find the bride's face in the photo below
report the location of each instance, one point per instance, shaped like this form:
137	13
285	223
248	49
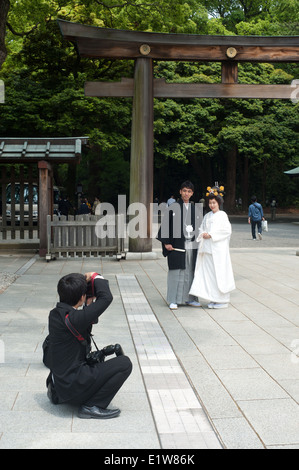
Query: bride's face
213	205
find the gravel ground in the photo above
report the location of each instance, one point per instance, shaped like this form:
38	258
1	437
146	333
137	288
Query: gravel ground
6	279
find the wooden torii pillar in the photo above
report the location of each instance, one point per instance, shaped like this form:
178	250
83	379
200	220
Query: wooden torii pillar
45	204
144	47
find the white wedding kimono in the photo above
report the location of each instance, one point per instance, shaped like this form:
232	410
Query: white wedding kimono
213	278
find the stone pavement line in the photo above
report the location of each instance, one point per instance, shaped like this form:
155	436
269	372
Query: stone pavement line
26	266
180	419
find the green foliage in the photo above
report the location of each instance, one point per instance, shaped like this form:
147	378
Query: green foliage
45	77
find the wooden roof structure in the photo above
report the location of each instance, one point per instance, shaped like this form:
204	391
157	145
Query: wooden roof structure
32	150
93	41
44	152
293	172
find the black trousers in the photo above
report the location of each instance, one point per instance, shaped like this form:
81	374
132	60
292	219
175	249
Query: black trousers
112	374
254	224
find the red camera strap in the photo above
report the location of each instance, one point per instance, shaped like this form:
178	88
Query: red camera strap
74	331
92	282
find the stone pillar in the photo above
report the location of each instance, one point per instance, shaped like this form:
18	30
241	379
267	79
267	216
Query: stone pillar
142	155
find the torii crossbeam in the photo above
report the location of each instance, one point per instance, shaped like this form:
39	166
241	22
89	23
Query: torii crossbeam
144	48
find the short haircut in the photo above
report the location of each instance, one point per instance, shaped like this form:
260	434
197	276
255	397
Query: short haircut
71	287
187	184
253	198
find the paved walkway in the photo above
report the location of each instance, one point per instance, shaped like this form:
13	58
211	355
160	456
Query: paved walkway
201	379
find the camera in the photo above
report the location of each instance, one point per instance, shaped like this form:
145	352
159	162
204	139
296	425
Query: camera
99	356
90	290
90	286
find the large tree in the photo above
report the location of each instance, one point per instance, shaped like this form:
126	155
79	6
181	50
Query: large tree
4	8
234	141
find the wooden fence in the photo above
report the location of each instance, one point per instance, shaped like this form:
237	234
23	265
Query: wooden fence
84	236
18	202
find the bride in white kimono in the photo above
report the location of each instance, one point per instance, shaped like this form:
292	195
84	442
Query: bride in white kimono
213	278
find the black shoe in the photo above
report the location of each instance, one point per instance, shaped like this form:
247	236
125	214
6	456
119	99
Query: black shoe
52	394
87	412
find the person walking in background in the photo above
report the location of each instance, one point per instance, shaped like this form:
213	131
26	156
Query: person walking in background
84	209
255	217
95	205
170	201
64	205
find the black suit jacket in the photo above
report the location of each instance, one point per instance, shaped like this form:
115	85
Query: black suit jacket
73	377
173	231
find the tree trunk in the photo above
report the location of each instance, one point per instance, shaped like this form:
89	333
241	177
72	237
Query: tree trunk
264	182
203	172
245	183
4	8
197	167
230	190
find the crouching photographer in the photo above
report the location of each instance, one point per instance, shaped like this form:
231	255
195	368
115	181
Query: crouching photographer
77	375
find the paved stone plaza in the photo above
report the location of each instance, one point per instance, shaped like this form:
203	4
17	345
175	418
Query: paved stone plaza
202	379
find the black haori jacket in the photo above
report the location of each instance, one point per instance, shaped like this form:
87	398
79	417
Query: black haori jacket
74	379
173	232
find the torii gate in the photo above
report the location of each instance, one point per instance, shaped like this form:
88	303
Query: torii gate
144	48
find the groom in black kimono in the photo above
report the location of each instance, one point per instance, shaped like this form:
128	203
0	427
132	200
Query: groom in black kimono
177	234
72	379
